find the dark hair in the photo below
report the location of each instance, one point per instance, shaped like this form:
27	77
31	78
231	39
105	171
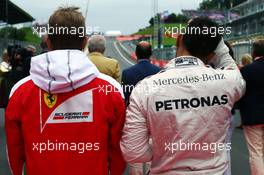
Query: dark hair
66	18
199	42
143	51
258	48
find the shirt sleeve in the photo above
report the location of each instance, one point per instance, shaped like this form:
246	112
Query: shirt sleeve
222	58
135	139
225	62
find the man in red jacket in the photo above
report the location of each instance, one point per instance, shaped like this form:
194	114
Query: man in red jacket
65	118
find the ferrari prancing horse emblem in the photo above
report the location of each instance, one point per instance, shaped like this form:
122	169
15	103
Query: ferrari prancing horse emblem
50	99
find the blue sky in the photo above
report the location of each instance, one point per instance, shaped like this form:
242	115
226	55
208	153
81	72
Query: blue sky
124	15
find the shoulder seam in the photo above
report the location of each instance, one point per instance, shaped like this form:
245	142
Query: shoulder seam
19	84
111	81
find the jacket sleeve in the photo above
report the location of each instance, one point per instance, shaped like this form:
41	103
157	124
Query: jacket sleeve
117	164
135	139
15	143
222	59
225	62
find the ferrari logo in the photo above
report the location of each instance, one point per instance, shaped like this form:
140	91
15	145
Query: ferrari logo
50	100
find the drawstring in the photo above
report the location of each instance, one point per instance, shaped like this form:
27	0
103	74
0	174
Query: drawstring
69	68
48	70
40	111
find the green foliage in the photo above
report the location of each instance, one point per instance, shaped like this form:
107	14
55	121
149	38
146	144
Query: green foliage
172	18
209	5
23	34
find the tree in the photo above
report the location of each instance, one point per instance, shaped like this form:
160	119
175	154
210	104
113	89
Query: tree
208	5
23	34
12	33
151	21
172	18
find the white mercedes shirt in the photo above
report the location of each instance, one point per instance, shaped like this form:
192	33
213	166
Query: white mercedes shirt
186	111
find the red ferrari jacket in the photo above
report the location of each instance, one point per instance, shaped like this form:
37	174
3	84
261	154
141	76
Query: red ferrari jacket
65	118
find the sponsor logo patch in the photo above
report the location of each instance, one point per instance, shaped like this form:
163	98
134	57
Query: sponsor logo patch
71	115
73	110
50	99
186	61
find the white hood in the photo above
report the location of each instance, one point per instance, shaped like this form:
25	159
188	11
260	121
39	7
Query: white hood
62	71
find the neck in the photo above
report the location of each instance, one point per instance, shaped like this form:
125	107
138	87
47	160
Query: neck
182	52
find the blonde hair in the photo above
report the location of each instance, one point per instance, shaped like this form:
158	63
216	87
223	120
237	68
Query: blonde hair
246	59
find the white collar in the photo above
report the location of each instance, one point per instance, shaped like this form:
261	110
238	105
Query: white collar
184	61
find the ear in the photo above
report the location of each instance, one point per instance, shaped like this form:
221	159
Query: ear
85	42
210	57
50	47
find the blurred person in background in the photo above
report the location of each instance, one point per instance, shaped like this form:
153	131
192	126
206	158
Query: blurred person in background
246	60
20	65
43	44
20	60
252	108
61	105
5	65
108	66
131	76
31	49
188	103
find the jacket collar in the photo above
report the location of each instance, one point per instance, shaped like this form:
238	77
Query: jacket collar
143	60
